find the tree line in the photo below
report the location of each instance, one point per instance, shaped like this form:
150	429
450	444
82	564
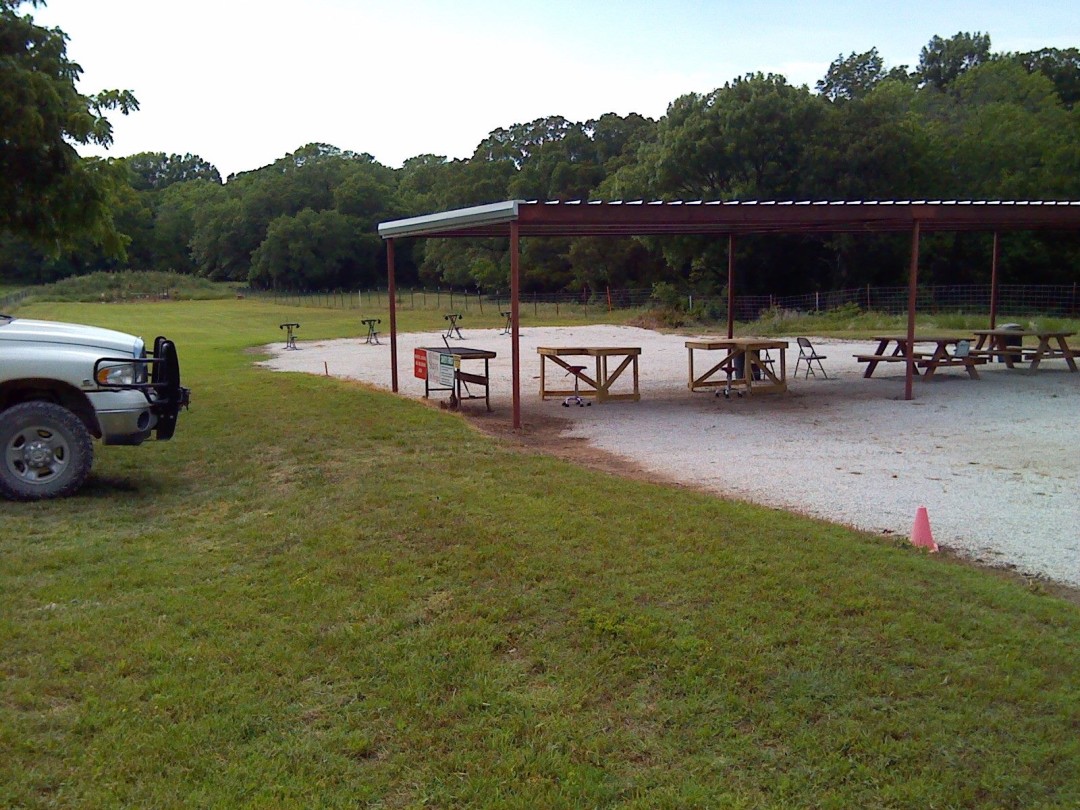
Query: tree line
965	123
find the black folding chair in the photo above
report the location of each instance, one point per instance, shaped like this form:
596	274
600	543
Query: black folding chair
808	354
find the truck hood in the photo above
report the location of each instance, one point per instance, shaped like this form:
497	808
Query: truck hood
71	334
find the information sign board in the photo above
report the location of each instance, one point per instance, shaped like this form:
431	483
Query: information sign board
448	365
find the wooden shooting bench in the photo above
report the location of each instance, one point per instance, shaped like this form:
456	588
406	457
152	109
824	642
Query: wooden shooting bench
440	369
598	385
744	367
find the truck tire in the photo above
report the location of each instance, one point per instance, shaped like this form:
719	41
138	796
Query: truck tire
45	451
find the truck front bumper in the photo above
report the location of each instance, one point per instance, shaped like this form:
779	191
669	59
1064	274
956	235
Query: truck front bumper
125	417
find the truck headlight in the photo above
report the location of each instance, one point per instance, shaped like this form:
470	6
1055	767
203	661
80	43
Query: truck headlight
121	374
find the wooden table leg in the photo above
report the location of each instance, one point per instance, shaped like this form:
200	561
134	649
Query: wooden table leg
1040	352
747	370
940	353
487	385
1003	345
1068	353
872	364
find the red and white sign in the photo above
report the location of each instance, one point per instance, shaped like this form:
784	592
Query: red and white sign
420	363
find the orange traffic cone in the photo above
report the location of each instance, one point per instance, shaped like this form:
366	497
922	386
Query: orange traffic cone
920	533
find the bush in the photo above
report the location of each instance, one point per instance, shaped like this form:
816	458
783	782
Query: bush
130	286
667	296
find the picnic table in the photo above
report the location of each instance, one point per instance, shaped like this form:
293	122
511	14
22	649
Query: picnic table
999	343
928	361
440	369
600	383
747	365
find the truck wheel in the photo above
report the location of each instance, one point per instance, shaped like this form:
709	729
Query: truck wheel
46	451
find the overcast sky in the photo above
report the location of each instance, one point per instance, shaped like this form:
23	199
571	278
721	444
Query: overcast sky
243	82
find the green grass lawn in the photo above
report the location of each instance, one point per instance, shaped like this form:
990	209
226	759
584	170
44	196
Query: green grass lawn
320	595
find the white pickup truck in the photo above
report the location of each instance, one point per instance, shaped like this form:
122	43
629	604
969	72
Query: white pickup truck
61	384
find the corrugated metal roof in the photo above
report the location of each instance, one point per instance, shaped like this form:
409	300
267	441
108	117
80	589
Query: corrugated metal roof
734	217
476	216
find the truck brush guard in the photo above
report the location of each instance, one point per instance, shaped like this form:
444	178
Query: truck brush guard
161	387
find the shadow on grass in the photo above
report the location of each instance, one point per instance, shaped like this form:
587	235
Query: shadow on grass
107	486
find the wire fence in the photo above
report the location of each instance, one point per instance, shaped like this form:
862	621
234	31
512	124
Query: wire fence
1061	300
464	300
1020	299
11	299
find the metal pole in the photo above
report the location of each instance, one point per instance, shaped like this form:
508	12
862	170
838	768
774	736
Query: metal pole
392	290
515	290
913	285
995	256
731	286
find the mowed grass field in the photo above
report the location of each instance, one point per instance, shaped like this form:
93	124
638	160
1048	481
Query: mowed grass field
320	595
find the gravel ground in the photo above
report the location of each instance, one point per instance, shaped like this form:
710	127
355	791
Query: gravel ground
995	461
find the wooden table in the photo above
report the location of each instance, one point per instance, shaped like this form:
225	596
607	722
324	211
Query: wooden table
440	369
995	343
743	367
928	361
599	384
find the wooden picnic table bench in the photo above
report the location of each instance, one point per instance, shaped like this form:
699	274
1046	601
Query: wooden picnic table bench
997	343
928	362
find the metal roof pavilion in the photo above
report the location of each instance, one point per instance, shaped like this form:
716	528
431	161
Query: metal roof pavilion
514	219
639	218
